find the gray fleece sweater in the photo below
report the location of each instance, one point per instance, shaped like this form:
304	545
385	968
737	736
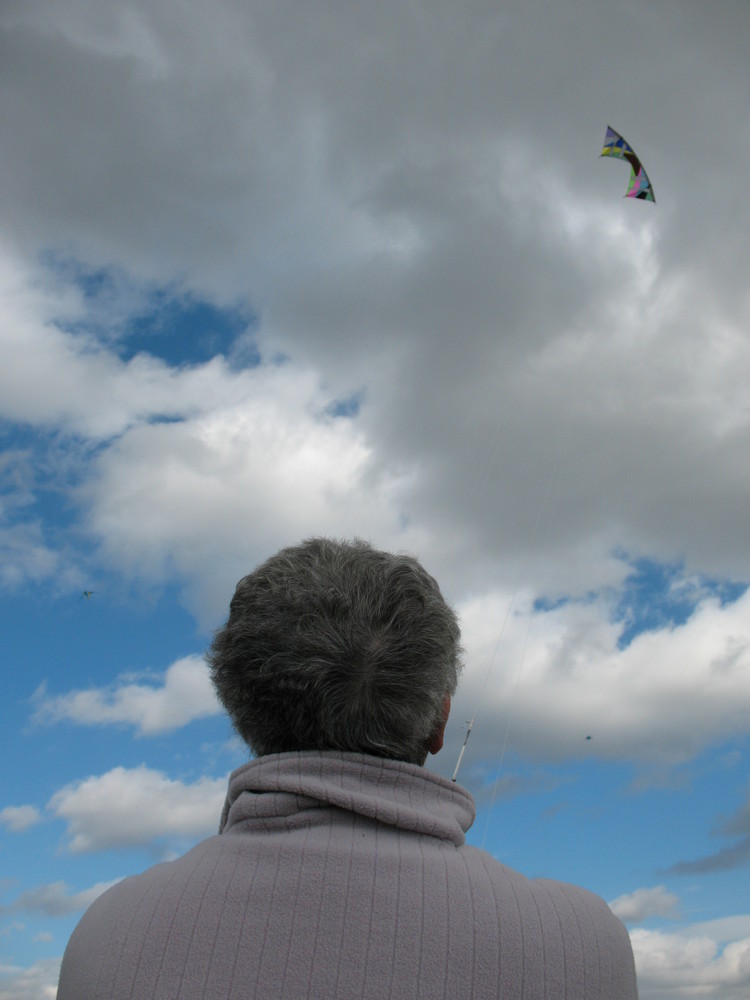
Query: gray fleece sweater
337	875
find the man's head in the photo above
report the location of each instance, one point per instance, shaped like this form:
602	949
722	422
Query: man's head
336	646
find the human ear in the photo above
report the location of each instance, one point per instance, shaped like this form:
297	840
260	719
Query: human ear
436	740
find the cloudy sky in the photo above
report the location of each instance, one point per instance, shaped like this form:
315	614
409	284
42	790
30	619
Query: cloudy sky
270	270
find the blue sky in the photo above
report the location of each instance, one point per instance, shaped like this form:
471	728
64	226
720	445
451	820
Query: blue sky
267	273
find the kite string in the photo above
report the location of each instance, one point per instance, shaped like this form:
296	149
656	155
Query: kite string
551	489
473	495
473	719
552	483
501	760
614	145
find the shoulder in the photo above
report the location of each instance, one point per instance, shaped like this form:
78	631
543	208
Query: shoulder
110	935
542	894
161	882
560	919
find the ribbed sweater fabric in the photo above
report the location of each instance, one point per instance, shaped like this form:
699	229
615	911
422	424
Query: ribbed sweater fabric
338	876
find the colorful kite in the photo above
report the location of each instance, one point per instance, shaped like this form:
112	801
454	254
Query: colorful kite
640	185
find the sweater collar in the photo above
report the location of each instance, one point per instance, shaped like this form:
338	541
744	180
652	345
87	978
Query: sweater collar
391	792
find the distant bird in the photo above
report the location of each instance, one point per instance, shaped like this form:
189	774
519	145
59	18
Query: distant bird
86	593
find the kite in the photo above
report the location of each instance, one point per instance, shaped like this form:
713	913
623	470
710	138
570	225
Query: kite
86	594
640	185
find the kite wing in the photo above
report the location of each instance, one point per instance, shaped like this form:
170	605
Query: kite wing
640	185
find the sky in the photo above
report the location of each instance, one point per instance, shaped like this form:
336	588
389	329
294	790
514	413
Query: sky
275	270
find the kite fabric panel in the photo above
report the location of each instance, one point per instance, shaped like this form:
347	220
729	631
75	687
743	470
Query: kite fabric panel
640	185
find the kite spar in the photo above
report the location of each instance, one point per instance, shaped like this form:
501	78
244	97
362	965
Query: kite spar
640	186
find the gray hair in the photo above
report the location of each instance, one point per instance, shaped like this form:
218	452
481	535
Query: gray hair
334	645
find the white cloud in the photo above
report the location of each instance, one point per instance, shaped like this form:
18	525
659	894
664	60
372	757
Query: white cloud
185	694
255	463
210	497
24	555
199	469
53	377
115	34
532	317
694	962
637	906
531	309
410	200
55	899
37	982
136	807
559	676
15	926
19	818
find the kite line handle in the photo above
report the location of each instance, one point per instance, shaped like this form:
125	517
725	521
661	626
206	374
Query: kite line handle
463	748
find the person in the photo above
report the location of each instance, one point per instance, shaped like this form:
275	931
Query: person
340	870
